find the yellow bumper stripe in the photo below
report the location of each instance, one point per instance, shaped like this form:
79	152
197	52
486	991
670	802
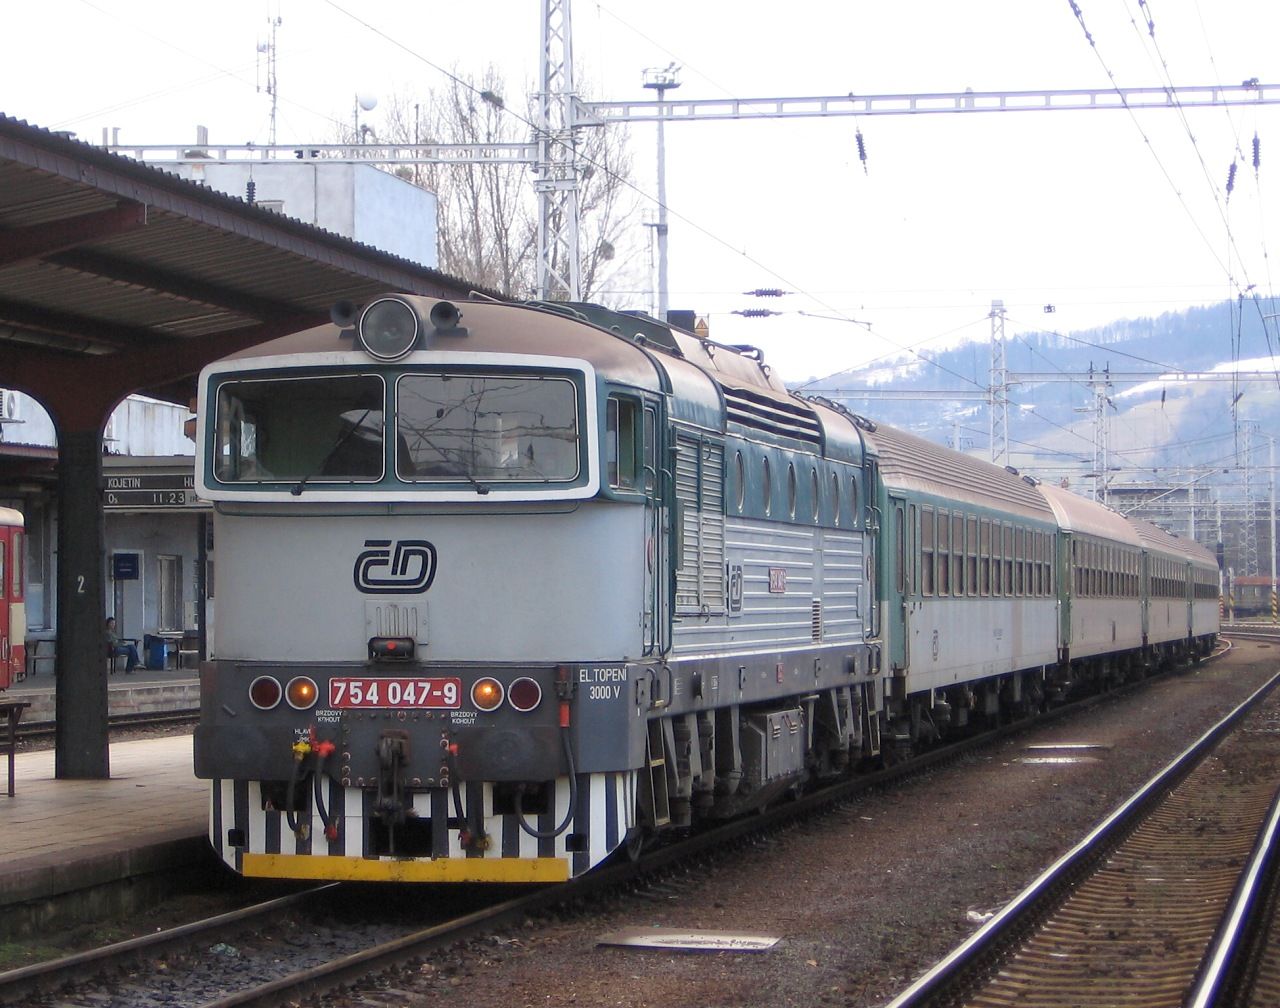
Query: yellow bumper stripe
354	869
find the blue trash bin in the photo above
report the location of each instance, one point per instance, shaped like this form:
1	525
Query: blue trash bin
155	649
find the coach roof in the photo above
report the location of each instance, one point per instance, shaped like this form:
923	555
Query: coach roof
908	462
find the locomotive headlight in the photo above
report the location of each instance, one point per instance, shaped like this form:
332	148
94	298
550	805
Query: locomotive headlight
388	329
301	693
524	694
486	694
264	692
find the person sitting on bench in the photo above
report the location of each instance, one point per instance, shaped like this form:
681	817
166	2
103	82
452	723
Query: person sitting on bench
116	647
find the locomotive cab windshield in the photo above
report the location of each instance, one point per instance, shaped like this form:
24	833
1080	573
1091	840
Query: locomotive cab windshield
452	429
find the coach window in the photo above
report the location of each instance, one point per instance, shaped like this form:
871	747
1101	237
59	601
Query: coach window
791	489
984	557
944	553
835	498
1008	559
814	494
766	485
971	556
900	547
926	550
957	554
853	501
19	555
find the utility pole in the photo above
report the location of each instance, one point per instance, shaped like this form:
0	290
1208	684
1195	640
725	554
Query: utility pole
998	400
1100	385
662	81
1250	527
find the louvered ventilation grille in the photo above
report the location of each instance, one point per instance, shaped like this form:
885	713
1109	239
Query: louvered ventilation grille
700	488
791	420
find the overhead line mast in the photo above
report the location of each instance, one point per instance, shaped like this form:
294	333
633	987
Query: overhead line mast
559	114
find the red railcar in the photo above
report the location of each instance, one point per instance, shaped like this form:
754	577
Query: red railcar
13	613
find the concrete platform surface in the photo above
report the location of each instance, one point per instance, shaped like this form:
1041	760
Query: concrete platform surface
141	691
62	836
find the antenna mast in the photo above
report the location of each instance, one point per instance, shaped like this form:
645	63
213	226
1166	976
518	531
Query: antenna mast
268	48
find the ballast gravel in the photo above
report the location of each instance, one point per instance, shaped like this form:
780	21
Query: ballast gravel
865	898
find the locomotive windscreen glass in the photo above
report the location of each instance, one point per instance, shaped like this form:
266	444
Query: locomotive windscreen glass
312	429
487	428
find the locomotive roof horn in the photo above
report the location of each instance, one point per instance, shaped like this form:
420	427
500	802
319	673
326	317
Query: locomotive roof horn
343	314
444	318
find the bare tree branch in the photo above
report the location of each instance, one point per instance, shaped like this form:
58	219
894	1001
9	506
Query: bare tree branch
488	213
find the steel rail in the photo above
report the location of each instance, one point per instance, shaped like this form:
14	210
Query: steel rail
952	971
142	719
351	969
1243	917
19	984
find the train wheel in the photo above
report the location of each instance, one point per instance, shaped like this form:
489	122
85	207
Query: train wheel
634	844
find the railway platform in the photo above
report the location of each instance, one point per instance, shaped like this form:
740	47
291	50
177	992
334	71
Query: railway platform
74	850
141	691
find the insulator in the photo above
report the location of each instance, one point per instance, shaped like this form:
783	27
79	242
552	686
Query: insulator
1257	152
766	292
250	191
756	312
1231	178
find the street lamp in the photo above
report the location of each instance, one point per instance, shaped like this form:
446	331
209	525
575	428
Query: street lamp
662	81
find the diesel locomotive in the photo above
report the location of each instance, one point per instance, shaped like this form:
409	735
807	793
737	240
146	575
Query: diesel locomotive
503	589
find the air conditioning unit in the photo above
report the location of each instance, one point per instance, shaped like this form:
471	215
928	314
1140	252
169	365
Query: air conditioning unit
8	405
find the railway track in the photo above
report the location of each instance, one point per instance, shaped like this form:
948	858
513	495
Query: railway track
248	983
1173	890
32	731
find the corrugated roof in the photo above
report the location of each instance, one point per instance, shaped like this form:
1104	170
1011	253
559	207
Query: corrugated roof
100	254
912	463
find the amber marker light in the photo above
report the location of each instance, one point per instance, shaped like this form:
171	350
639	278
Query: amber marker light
486	694
301	693
264	692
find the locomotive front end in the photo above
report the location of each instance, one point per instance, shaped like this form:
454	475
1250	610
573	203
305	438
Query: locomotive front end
422	665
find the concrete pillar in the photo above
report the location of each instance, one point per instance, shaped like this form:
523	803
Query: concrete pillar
81	746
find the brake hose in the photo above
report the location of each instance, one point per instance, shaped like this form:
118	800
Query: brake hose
573	796
322	751
300	750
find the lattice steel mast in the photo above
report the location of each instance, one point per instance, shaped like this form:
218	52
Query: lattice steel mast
556	174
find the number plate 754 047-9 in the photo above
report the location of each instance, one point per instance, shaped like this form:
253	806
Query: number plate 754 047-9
435	692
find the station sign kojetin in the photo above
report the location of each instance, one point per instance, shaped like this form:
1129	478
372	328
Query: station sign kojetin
136	489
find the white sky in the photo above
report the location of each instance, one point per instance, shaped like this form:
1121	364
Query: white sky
1072	209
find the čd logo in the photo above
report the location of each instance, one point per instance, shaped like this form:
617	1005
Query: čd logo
406	567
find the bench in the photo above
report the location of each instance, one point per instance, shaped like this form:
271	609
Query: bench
12	709
43	649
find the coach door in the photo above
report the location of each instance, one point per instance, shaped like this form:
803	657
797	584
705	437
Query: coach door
657	533
897	582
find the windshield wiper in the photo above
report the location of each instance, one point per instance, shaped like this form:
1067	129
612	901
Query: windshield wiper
481	489
298	487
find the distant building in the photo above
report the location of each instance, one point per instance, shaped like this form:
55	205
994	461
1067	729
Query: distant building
357	201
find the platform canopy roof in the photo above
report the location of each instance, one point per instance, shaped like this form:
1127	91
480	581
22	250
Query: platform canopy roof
101	255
